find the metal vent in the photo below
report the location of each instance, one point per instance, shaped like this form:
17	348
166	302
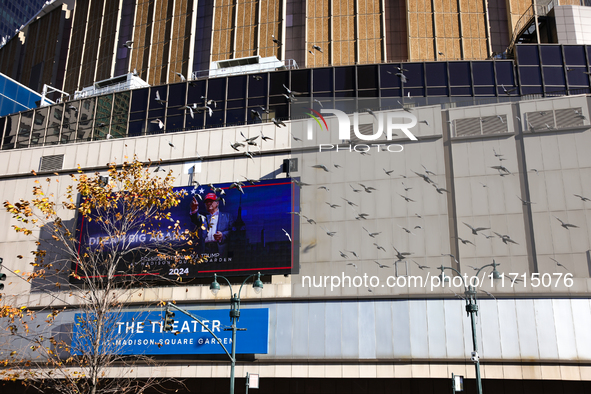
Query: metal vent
494	124
540	120
365	129
51	163
485	125
465	127
570	117
557	119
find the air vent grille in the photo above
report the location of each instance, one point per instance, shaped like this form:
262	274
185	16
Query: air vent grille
51	163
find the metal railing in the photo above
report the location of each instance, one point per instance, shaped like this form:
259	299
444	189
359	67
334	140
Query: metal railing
289	64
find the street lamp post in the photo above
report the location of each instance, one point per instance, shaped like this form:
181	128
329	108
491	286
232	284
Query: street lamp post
235	313
472	310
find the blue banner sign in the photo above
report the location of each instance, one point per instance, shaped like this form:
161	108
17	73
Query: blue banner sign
140	333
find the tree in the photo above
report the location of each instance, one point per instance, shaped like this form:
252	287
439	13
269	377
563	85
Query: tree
96	279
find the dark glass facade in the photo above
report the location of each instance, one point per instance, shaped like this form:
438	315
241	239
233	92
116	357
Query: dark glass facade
544	70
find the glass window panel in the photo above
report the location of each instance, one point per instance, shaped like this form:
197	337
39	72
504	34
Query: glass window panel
300	109
390	103
156	113
368	93
459	73
251	115
325	94
137	128
388	78
436	74
531	90
574	55
68	135
84	132
216	90
551	55
235	104
137	116
40	118
24	130
483	73
174	123
53	136
22	94
171	111
344	78
505	73
262	101
350	93
485	90
414	92
461	91
121	103
154	126
103	108
139	100
237	87
367	77
281	111
194	123
119	119
10	132
161	91
2	120
118	130
216	120
257	85
390	92
235	116
100	131
86	111
577	76
347	106
277	100
527	55
176	94
276	82
373	104
322	79
301	79
530	76
71	112
196	91
414	75
437	92
553	76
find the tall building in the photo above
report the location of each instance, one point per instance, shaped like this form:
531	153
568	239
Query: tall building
72	45
17	13
408	148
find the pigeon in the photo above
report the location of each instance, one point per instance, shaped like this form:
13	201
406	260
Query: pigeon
558	264
505	238
276	41
477	229
566	225
321	166
317	48
158	99
159	122
128	44
182	77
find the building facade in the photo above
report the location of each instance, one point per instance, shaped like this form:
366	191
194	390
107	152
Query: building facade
457	165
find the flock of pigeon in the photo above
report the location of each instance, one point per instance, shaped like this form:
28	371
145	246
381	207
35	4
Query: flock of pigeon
290	97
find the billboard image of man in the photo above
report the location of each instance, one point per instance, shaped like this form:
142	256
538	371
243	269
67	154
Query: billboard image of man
213	228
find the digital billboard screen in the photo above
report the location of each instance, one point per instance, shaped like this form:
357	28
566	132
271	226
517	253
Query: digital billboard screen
233	232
